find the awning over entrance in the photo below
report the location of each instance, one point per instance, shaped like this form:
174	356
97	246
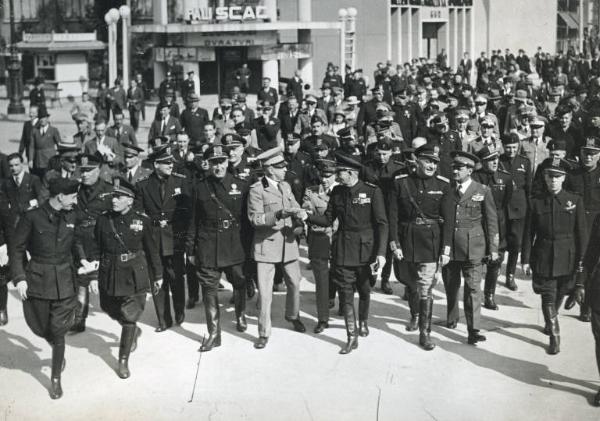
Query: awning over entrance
569	19
178	28
60	42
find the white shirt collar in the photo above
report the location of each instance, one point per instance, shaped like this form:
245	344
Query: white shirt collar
464	186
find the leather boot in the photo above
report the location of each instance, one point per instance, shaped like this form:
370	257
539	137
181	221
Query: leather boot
413	304
425	310
363	316
351	330
239	298
491	278
211	308
551	318
386	288
3	302
250	288
58	357
83	296
128	333
489	302
510	282
138	333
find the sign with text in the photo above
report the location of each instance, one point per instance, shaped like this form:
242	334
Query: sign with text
203	11
231	39
193	54
434	14
286	51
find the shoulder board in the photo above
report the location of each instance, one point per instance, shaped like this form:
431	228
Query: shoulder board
400	176
503	171
141	213
441	177
176	174
143	178
370	184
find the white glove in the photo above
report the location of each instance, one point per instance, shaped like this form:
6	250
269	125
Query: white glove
380	262
22	289
3	255
398	254
94	286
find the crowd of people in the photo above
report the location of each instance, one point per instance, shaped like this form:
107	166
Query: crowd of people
420	170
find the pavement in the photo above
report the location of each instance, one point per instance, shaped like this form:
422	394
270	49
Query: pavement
302	376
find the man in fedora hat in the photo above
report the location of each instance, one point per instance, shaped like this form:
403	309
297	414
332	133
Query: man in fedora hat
164	124
37	97
193	118
44	141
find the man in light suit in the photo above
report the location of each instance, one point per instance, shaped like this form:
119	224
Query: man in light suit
43	145
165	124
272	211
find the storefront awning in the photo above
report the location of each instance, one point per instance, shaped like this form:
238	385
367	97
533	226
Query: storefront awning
60	42
570	20
178	28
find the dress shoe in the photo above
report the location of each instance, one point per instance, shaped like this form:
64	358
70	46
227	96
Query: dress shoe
123	370
261	343
363	328
451	324
405	297
138	333
298	325
554	347
597	399
489	302
3	317
213	341
413	324
351	344
55	388
386	288
78	327
475	337
241	324
162	328
179	318
320	327
510	283
191	303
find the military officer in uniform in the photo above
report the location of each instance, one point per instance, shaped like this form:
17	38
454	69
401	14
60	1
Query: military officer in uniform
214	243
300	171
133	170
359	246
585	181
315	201
273	212
475	237
448	142
519	168
559	240
164	196
420	216
500	183
126	248
93	199
188	86
47	283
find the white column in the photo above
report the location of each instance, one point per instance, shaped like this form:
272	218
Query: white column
419	33
305	65
455	39
472	36
399	36
388	27
409	32
304	10
112	53
270	69
160	12
125	39
464	33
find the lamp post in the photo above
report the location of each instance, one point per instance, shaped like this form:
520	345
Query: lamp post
348	22
342	14
15	106
125	13
111	18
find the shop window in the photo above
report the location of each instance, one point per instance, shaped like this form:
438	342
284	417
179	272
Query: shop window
45	65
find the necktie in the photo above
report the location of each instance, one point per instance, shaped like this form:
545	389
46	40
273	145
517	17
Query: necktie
162	189
163	126
17	181
130	178
459	190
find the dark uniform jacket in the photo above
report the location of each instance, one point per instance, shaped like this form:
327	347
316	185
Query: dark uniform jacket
558	233
169	216
447	142
92	201
520	170
126	251
592	257
318	239
48	236
267	134
363	226
501	185
382	175
300	173
37	97
15	200
475	224
192	122
420	215
587	185
218	213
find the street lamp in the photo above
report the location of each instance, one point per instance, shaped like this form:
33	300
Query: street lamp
111	18
15	106
125	13
342	14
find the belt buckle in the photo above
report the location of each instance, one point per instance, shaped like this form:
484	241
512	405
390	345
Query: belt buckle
226	224
162	223
419	221
124	257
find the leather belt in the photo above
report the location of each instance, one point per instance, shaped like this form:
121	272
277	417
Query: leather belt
161	222
426	221
86	223
220	223
125	257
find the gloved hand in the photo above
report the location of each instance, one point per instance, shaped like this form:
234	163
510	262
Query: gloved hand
576	296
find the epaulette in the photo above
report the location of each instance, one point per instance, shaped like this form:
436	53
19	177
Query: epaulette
144	177
441	177
370	184
176	174
141	213
502	170
400	176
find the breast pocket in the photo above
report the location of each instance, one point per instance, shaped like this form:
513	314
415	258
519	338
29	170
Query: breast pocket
473	209
272	206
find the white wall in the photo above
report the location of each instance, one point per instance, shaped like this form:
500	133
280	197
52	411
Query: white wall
70	68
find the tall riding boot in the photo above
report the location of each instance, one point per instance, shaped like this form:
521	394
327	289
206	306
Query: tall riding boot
551	318
128	333
425	307
239	301
511	267
83	296
351	329
3	302
211	309
58	357
489	289
413	305
363	316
